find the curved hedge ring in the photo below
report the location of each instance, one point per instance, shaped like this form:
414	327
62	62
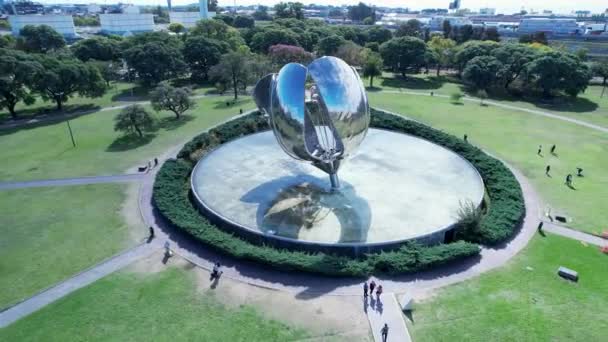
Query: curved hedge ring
171	198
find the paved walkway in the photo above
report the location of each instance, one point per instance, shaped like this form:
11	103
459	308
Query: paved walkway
72	181
386	311
574	234
82	279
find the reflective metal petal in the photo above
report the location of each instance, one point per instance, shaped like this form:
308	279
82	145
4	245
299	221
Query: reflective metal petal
343	95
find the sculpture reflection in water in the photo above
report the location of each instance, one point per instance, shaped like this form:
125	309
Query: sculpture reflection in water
300	202
318	113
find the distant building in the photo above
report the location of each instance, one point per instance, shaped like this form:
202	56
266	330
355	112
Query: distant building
131	10
188	19
549	25
126	24
94	9
436	23
64	24
487	11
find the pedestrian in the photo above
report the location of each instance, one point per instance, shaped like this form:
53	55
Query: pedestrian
216	272
151	233
240	110
155	162
579	172
149	165
553	149
569	179
540	227
365	290
547	170
168	251
372	286
379	291
432	94
466	138
540	150
384	332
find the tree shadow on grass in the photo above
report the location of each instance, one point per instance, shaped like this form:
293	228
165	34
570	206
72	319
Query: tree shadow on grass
430	82
222	104
373	89
134	94
46	116
129	142
562	104
171	123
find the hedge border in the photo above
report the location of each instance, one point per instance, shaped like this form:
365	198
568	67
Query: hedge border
172	199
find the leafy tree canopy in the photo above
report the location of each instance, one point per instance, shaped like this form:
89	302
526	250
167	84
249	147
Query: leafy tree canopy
40	39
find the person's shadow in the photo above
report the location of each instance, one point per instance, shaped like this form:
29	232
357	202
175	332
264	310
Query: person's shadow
166	257
365	304
215	281
372	302
379	306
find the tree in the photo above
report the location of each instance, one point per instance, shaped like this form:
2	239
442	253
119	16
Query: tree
443	49
242	21
558	71
481	72
40	39
411	28
176	28
201	54
62	77
472	49
155	57
372	65
133	118
328	46
373	46
226	18
514	57
167	97
491	33
212	5
289	10
360	12
263	40
261	13
404	54
537	37
368	21
218	30
232	71
600	69
109	70
282	54
447	29
350	53
379	34
99	48
17	71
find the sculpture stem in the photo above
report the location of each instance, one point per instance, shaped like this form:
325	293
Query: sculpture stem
335	182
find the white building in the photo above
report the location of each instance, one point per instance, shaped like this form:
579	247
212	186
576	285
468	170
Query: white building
436	23
64	24
131	10
548	25
93	9
126	24
188	19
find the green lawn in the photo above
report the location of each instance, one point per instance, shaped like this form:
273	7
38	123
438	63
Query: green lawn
158	307
518	304
49	234
46	151
588	106
118	93
514	136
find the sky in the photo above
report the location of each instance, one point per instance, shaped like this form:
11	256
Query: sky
502	6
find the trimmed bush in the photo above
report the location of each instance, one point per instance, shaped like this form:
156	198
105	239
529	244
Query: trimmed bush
171	197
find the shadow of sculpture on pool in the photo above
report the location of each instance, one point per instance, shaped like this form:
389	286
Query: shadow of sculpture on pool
289	204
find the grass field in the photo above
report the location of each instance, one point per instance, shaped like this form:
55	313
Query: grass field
46	151
49	234
118	93
514	136
164	306
588	106
515	303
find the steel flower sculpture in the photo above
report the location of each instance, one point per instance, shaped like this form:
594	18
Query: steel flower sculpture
318	113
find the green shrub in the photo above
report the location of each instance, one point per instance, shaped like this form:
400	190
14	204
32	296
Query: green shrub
455	97
171	196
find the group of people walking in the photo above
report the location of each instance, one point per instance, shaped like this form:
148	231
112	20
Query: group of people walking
369	289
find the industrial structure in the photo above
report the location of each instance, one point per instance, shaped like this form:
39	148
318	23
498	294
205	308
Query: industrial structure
64	24
125	24
549	26
189	19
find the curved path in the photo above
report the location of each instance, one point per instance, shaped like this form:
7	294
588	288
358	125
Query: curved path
306	285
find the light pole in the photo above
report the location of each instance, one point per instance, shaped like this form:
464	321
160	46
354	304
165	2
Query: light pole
71	134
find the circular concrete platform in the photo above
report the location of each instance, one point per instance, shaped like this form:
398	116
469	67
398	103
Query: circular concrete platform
395	187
